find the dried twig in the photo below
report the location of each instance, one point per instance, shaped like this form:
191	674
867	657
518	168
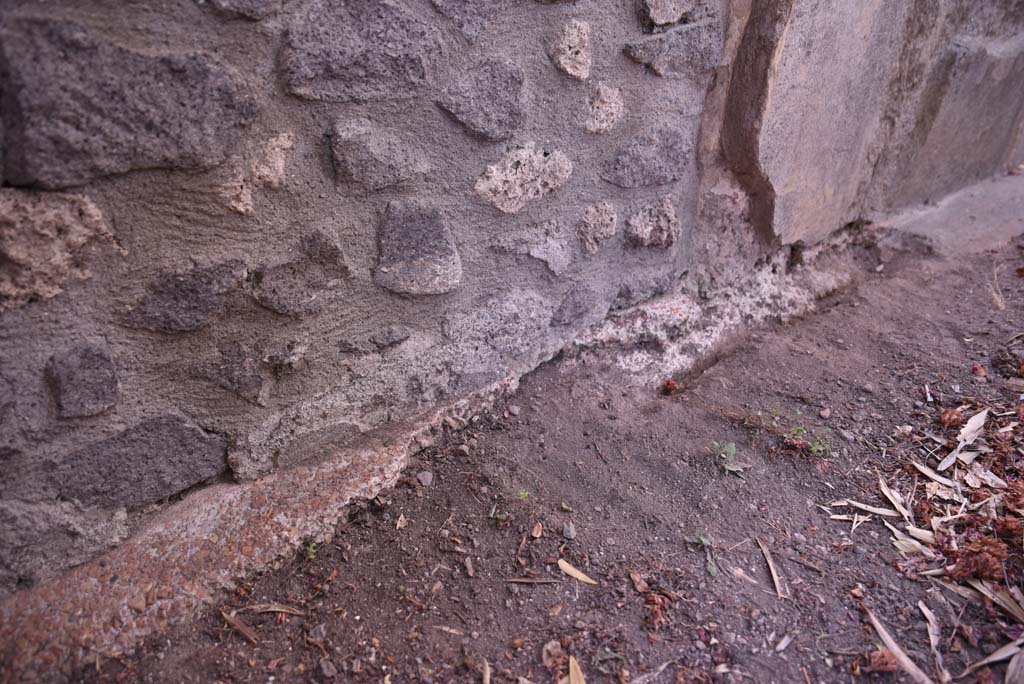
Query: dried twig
239	625
771	568
273	608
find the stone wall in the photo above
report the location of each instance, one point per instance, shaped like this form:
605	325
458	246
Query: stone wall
239	236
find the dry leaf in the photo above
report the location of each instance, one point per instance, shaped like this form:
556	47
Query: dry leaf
864	507
551	655
905	663
1015	670
971	431
986	477
882	660
934	636
1008	651
951	417
931	474
894	498
638	582
575	673
569	570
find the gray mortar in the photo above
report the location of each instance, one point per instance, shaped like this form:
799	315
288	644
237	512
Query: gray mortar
299	226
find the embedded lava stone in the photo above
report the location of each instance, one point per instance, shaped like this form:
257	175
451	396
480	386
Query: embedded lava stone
84	381
185	302
417	252
145	463
77	108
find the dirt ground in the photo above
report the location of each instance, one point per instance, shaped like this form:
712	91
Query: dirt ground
671	503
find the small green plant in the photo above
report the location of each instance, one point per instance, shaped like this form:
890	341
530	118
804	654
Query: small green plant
803	440
727	452
522	494
311	550
705	542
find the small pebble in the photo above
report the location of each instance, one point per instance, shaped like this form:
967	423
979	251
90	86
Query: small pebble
463	449
514	410
328	668
825	413
799	538
425	478
569	530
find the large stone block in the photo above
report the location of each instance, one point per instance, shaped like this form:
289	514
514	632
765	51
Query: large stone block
806	107
145	463
185	302
973	107
356	51
368	158
76	107
83	379
417	253
658	156
42	236
488	99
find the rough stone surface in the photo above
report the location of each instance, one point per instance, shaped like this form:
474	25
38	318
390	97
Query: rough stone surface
127	110
658	156
417	254
240	371
246	9
357	51
145	463
666	12
525	174
42	240
605	109
368	158
653	226
495	328
686	51
84	380
582	303
185	302
471	17
488	99
571	49
41	538
302	285
296	358
266	171
879	126
982	90
548	242
599	222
